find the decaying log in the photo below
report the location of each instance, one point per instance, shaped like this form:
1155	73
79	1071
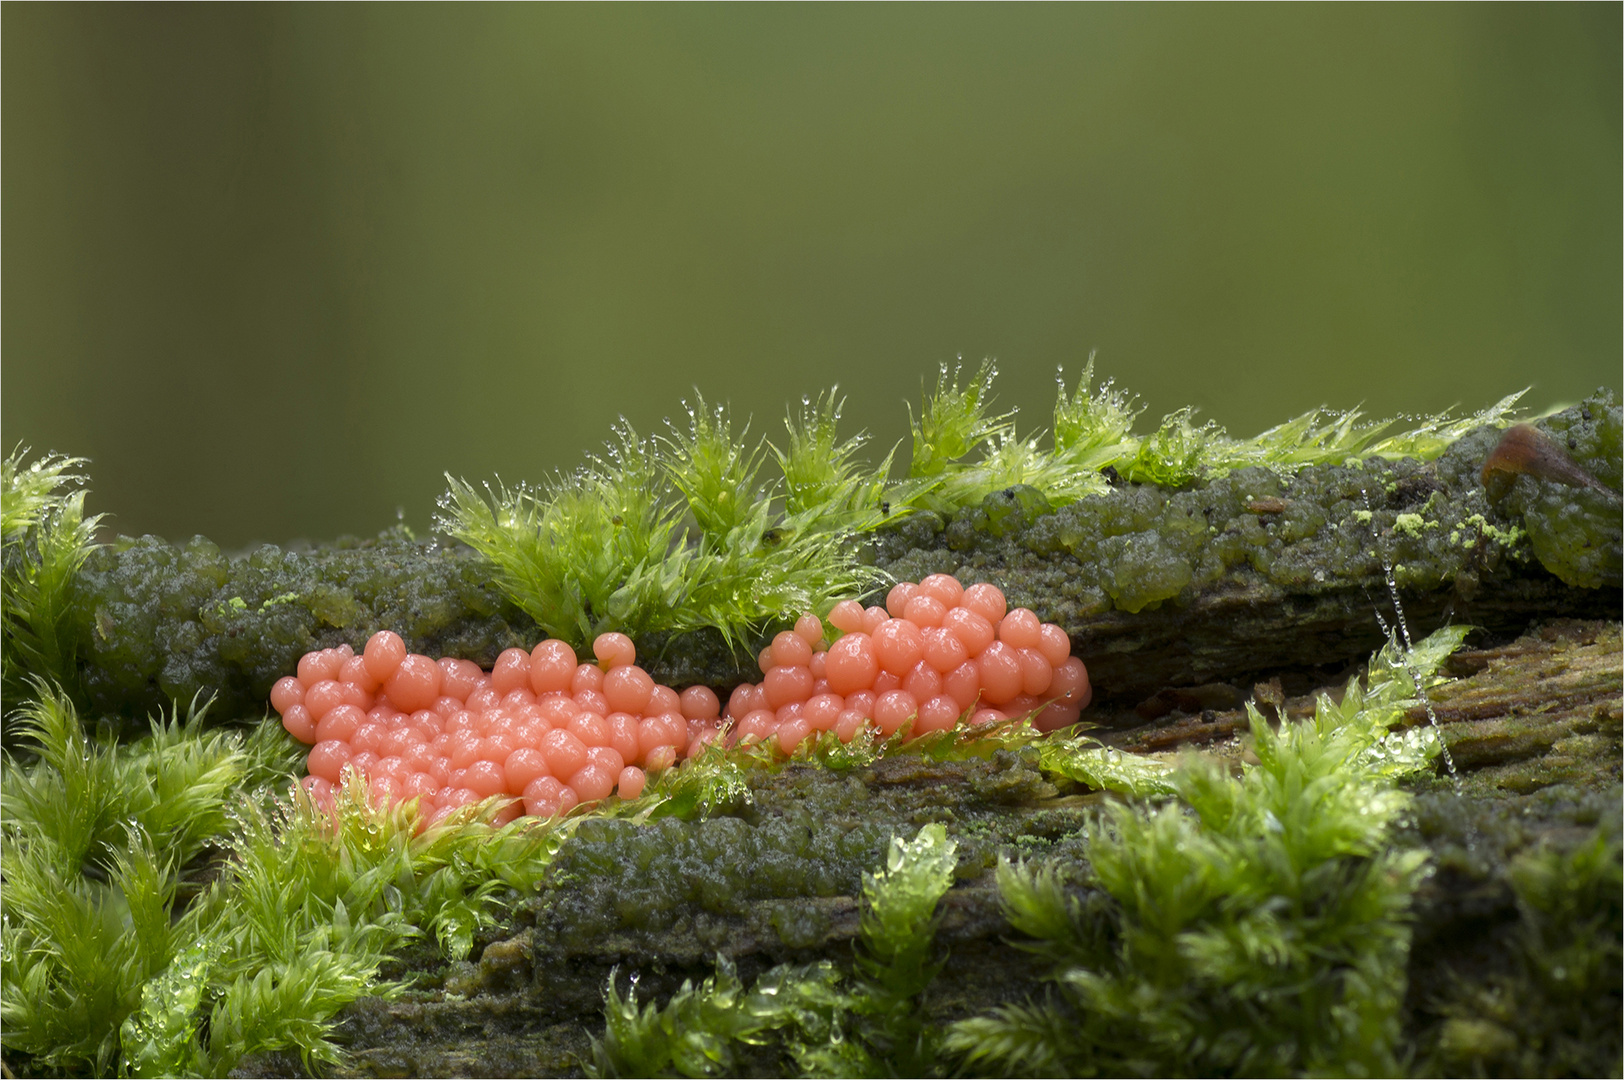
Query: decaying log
1533	724
1255	586
1235	580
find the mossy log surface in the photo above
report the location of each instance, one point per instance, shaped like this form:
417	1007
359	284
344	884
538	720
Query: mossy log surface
1246	577
1254	573
1184	604
1533	725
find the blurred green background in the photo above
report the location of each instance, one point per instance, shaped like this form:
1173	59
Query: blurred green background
276	268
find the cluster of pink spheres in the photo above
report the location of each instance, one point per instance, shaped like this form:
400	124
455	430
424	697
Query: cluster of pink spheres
551	732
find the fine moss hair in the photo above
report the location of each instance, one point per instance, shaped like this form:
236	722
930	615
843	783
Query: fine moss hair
963	452
676	533
45	538
1250	925
94	839
683	532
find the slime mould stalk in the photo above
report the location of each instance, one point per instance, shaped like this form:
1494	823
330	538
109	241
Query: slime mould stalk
1157	587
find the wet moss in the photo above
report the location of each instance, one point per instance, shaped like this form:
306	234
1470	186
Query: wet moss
1321	532
1259	570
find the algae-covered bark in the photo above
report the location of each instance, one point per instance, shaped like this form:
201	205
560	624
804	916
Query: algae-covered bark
1252	572
162	622
1260	572
168	621
776	880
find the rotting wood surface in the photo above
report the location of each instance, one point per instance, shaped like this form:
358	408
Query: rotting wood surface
1538	714
1234	580
1543	708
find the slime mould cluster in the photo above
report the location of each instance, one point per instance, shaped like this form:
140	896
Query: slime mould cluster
1156	586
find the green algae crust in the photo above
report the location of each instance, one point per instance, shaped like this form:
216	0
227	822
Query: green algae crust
167	621
1250	571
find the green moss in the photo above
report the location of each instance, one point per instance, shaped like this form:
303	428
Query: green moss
92	845
962	454
1257	927
44	539
1106	769
116	958
607	548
